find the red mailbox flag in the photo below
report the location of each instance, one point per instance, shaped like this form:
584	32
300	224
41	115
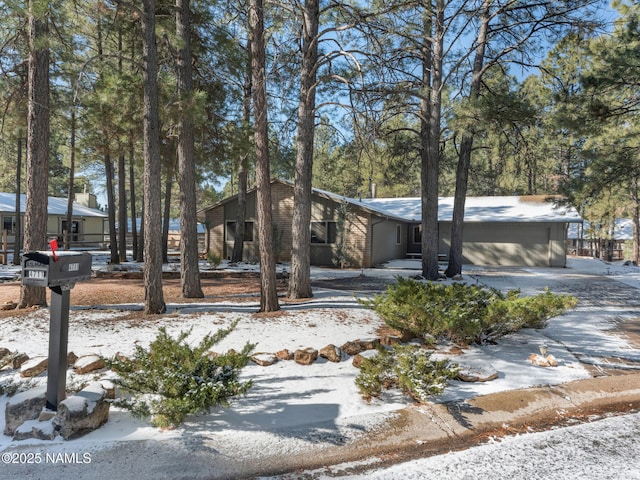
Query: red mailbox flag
54	246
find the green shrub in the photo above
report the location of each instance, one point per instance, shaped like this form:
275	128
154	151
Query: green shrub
171	379
461	312
407	367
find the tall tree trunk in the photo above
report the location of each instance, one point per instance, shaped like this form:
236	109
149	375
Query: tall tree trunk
430	138
70	193
189	259
153	295
268	287
300	278
132	199
35	218
454	266
241	214
166	214
111	207
17	244
122	208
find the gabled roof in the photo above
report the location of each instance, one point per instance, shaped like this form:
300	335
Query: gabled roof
535	208
56	206
518	208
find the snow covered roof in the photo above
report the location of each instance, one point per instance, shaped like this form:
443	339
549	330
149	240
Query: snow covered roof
57	206
535	208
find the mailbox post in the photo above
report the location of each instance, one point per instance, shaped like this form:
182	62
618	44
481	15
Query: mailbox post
59	272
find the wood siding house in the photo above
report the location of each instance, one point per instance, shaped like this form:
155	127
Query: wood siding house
88	223
517	231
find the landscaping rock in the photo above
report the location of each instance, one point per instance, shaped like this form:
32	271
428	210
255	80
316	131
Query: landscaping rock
305	356
359	358
481	373
540	361
369	343
284	355
388	340
88	363
83	412
18	360
4	352
351	348
34	367
23	407
71	358
331	353
40	430
264	359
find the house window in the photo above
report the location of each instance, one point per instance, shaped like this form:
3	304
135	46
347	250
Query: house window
323	232
417	234
75	229
9	223
398	234
231	231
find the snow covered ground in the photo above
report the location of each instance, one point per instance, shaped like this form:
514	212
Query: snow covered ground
291	406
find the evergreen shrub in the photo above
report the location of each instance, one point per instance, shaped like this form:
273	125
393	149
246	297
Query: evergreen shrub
171	379
406	367
463	313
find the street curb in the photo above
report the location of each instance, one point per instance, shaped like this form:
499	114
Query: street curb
430	429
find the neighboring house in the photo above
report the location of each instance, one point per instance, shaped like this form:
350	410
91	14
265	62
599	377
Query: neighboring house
88	225
498	230
593	240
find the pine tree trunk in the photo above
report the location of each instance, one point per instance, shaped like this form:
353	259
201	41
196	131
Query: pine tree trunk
300	278
168	187
153	295
35	218
268	290
122	209
454	266
132	195
238	239
430	140
111	207
70	193
189	260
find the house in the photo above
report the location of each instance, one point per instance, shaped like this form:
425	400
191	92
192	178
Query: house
597	240
87	225
513	230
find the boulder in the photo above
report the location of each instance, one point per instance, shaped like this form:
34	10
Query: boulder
360	357
83	412
305	356
390	339
34	367
351	348
264	359
369	343
480	373
541	361
88	363
8	305
71	358
18	360
38	429
331	353
284	354
23	407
